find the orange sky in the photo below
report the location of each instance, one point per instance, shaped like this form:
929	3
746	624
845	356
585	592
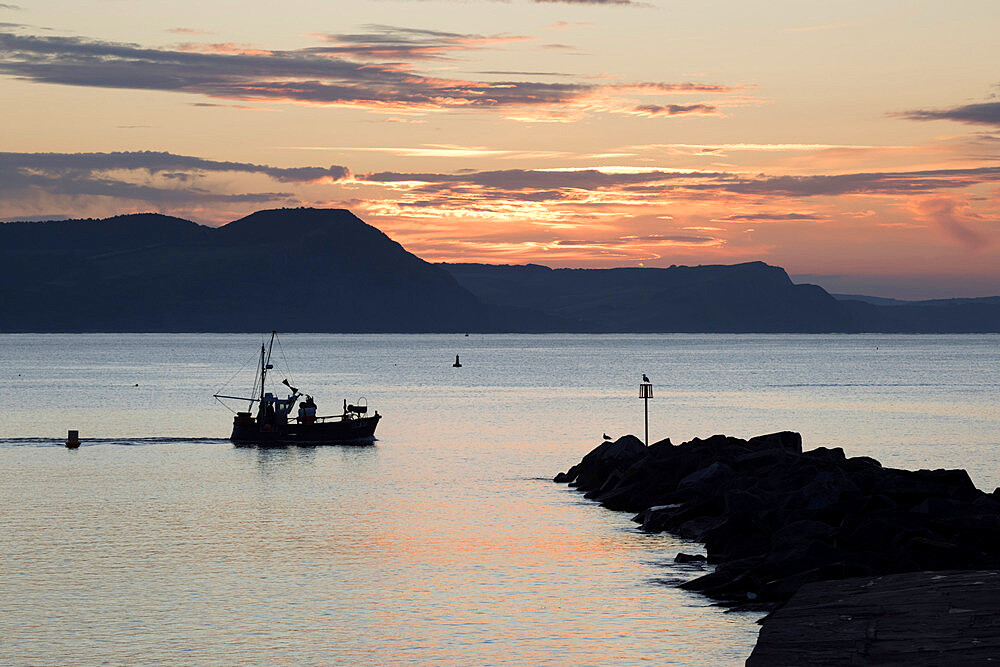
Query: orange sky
856	142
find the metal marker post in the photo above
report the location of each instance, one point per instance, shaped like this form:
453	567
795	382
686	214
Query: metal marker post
646	393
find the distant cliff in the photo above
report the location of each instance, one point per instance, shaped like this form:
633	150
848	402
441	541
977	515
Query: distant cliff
287	269
980	315
325	270
752	297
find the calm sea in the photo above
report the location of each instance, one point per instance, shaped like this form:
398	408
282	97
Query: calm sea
446	542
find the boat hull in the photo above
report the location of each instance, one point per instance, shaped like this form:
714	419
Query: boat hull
347	431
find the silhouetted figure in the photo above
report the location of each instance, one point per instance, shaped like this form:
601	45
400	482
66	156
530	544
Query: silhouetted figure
307	410
644	378
457	364
607	437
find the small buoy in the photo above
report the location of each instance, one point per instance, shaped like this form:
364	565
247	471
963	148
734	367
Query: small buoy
73	439
457	364
137	384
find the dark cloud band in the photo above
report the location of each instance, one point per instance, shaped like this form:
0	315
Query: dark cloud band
654	181
105	174
985	113
156	162
319	75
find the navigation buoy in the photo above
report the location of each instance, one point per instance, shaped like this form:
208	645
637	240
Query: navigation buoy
457	364
73	439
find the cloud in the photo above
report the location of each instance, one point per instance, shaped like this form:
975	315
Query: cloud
569	196
4	5
75	185
507	73
440	151
213	105
665	239
695	149
676	205
314	76
153	177
773	217
155	162
187	31
570	25
384	42
674	109
531	179
662	181
983	113
876	183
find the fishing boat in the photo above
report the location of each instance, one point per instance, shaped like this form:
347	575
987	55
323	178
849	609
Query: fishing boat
272	422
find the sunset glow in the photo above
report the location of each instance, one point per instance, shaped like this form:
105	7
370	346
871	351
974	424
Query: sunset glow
857	143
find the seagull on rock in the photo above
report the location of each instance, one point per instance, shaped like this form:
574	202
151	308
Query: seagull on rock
607	437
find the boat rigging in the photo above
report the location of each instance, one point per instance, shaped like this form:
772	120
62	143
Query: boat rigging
272	423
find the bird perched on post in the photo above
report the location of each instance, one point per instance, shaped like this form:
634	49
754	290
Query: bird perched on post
607	437
644	378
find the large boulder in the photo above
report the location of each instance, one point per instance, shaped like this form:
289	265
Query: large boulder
789	442
608	457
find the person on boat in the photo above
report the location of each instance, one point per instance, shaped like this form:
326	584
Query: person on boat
307	410
268	409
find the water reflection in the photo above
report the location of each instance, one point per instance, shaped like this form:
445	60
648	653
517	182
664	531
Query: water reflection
446	543
270	456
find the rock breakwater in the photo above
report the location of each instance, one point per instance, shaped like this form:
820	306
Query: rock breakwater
774	517
914	619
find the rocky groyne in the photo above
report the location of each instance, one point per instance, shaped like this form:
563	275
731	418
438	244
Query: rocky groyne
774	517
915	619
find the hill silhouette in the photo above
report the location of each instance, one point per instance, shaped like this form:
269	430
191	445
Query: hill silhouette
979	315
741	298
290	269
325	270
751	297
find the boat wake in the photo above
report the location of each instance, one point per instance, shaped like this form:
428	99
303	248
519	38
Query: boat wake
123	442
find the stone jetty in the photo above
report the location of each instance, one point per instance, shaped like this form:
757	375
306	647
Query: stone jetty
774	517
915	619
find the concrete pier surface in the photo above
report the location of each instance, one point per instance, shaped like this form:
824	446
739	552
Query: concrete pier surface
913	619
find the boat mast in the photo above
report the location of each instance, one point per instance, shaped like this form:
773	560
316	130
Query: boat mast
261	371
264	365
